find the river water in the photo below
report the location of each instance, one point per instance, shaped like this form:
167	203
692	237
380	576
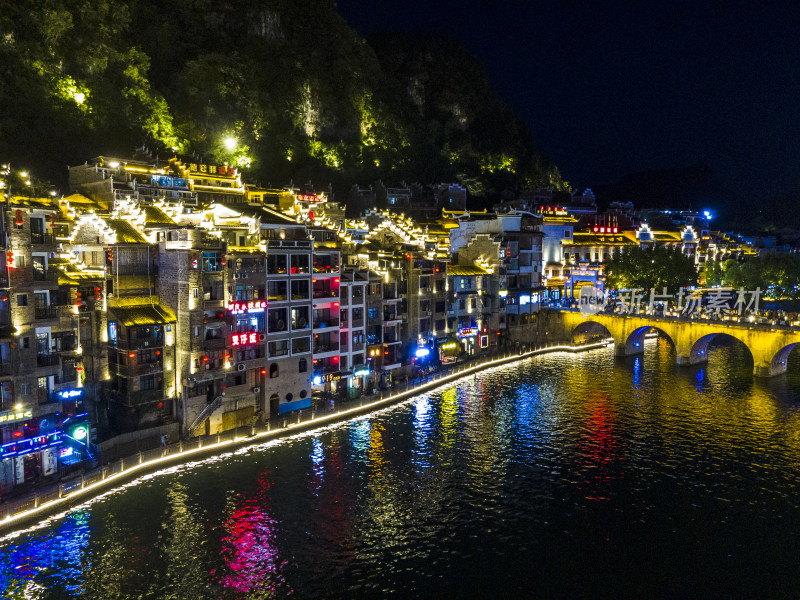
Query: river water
561	476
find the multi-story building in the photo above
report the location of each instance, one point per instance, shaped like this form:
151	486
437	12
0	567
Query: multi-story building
353	292
325	306
47	318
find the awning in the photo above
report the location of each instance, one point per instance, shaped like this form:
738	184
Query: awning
147	314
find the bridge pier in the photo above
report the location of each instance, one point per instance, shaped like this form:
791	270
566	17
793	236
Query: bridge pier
627	349
769	369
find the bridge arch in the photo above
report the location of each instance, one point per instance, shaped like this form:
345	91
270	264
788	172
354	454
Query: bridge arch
698	353
779	362
589	331
634	343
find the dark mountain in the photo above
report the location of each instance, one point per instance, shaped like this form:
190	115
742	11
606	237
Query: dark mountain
302	94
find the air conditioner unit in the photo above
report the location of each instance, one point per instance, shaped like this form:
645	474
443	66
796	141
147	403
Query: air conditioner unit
256	390
236	276
240	367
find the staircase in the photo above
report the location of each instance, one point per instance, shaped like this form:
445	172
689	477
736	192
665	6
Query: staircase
204	414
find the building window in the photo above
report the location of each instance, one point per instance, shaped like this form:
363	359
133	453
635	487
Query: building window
302	365
373	313
22	299
25	389
278	348
273	370
212	261
566	233
301	345
148	382
194	292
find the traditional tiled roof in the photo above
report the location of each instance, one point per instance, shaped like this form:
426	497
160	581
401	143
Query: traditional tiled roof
126	233
465	270
156	216
143	314
79	200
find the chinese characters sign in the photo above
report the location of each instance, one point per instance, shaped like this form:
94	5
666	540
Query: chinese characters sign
244	339
223	170
253	306
19	415
715	301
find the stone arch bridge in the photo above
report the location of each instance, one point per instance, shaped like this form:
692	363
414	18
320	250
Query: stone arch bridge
769	345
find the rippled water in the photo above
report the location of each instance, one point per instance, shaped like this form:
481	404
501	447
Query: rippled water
562	476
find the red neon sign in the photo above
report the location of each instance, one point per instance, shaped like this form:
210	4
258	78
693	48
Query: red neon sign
252	306
243	339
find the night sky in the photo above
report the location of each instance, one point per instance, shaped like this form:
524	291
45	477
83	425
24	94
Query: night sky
614	88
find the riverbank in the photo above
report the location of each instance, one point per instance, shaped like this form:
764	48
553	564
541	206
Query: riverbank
61	496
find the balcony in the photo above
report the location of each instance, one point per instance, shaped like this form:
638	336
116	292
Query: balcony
322	369
141	369
391	337
357	323
66	376
288	244
47	360
45	312
326	323
323	348
322	269
49	275
43	238
357	347
325	294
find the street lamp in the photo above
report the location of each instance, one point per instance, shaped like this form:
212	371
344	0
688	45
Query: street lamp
230	143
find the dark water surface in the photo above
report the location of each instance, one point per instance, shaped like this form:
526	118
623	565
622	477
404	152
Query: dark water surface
563	476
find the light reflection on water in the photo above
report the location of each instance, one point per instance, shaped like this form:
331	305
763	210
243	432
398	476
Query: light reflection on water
561	476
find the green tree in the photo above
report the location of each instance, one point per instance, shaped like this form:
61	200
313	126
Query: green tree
713	273
646	268
778	275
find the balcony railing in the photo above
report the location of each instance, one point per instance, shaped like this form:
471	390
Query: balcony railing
66	376
45	275
322	348
322	323
320	294
47	360
45	312
42	238
141	369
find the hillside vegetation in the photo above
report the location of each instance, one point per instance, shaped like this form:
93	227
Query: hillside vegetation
304	96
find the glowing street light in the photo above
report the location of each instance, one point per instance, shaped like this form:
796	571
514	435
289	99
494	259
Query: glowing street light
230	143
